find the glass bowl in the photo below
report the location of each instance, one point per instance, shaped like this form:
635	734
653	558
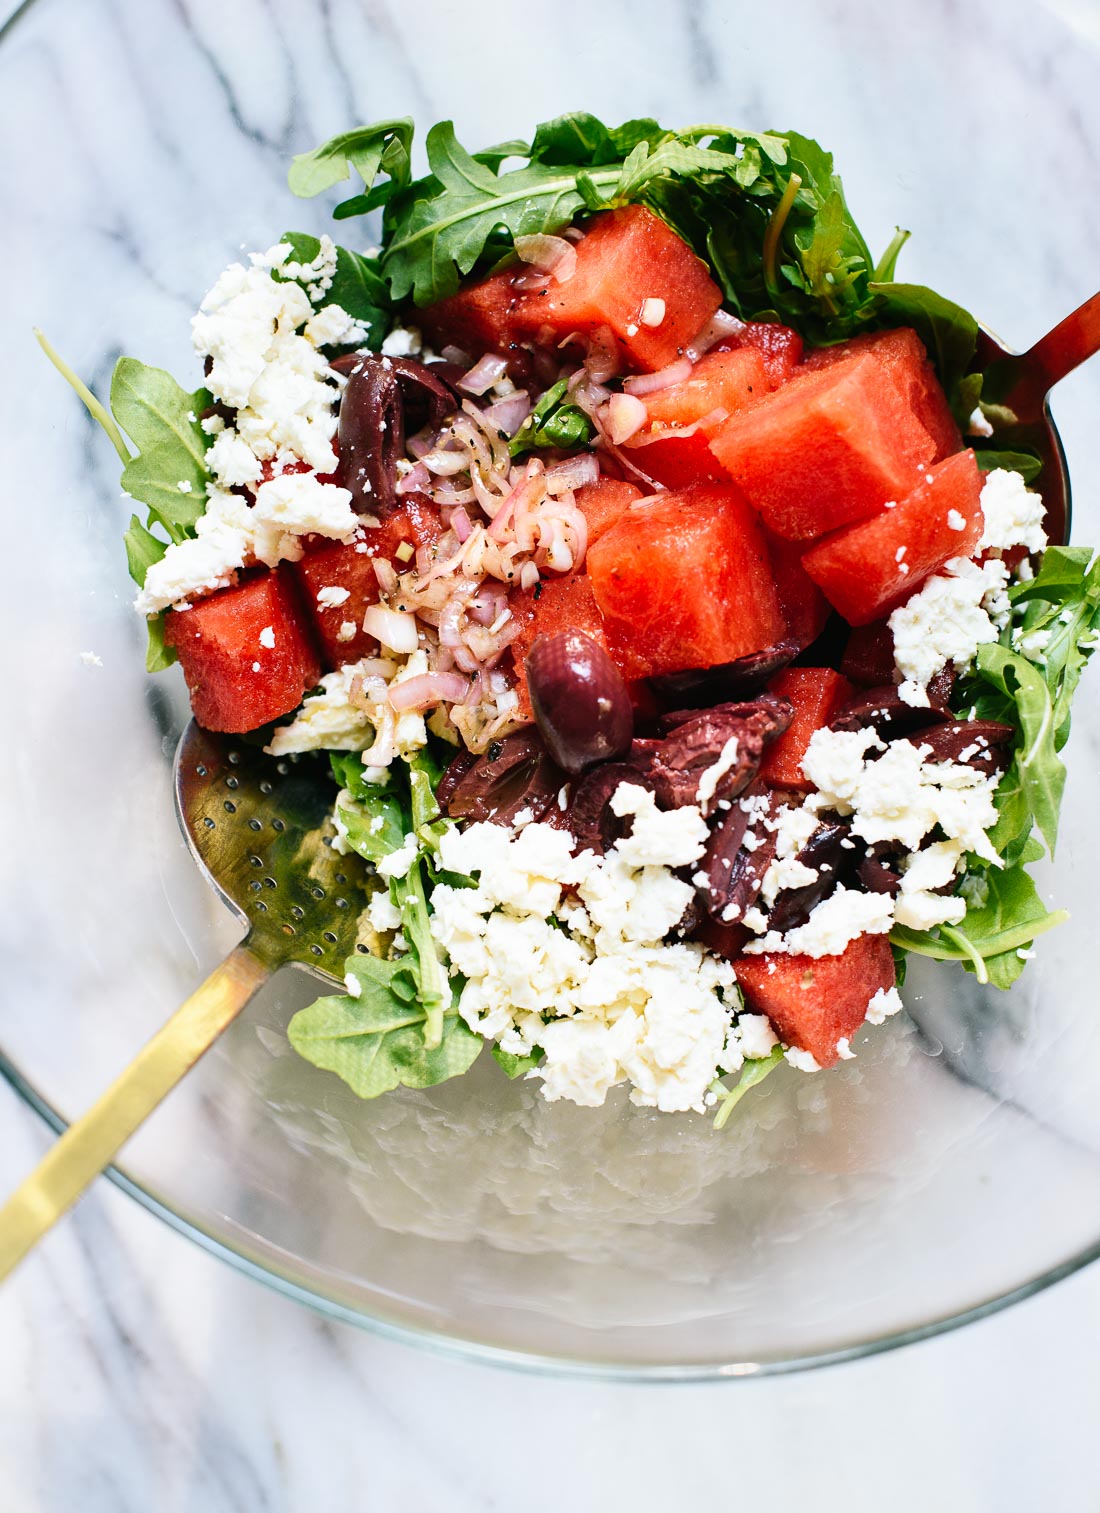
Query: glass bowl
952	1167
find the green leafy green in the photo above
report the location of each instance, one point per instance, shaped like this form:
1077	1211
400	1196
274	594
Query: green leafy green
765	209
378	1039
515	1066
1001	920
554	422
1025	463
356	287
161	420
95	409
751	1073
1040	771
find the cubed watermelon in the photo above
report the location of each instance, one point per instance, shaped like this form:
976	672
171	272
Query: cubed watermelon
247	652
816	693
602	503
729	381
674	447
780	347
813	1003
830	447
902	353
626	258
328	564
803	604
683	581
675	458
865	570
479	318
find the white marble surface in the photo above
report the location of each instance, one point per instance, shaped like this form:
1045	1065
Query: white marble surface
138	1373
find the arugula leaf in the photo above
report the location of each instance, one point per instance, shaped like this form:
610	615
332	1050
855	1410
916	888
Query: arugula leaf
553	423
751	1073
515	1066
1041	772
432	982
384	146
357	286
377	1041
157	414
1025	463
1006	920
142	550
95	409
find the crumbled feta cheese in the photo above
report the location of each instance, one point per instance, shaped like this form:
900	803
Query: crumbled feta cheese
327	722
946	620
185	486
233	461
664	838
755	1036
398	862
885	1001
383	913
713	775
207	561
977	425
918	905
267	637
900	796
1013	513
332	597
402	341
347	630
627	1005
956	521
844	1049
334	327
802	1061
298	504
90	659
832	926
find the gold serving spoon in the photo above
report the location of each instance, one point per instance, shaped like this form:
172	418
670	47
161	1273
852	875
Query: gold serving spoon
259	830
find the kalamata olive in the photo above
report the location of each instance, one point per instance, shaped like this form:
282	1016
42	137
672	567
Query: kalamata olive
878	876
589	817
704	686
514	777
981	744
885	709
711	755
581	704
372	421
825	854
734	871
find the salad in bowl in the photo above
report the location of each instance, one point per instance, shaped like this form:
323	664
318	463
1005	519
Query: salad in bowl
685	648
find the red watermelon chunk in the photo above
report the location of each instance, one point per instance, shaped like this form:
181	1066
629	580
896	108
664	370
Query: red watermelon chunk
816	693
627	257
675	458
779	346
336	565
869	568
246	652
815	1002
830	447
602	503
683	581
903	356
802	602
729	381
479	318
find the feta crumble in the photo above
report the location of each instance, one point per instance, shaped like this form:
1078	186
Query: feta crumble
1013	513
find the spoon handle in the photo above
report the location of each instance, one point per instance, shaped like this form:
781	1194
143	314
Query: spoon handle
91	1143
1035	372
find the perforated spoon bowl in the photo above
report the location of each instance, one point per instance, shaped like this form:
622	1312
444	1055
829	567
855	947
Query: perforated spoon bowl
259	829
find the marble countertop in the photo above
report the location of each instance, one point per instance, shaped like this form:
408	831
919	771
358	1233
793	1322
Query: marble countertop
137	1372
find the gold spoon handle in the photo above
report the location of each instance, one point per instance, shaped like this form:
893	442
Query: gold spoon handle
90	1145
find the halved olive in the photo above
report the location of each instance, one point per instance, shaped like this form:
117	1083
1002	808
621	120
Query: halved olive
580	701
